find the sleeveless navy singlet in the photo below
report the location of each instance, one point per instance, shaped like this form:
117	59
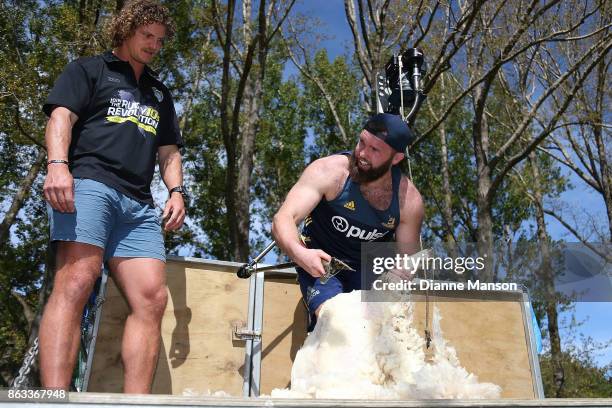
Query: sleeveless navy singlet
339	226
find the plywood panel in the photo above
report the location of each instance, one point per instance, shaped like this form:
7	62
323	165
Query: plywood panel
488	336
284	322
490	340
197	353
206	301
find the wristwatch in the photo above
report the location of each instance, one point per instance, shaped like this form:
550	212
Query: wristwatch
179	189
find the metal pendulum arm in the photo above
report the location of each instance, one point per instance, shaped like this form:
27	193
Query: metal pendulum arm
394	88
331	268
247	269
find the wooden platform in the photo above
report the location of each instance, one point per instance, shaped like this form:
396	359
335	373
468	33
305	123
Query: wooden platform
207	300
91	400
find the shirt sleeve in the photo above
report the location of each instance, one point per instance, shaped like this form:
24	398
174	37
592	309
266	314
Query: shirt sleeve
72	90
171	134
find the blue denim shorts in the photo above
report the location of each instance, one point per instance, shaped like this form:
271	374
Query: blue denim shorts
104	217
316	293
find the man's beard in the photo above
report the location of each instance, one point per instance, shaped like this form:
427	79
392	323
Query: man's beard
359	175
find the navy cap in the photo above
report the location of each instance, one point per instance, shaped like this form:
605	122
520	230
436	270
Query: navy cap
391	129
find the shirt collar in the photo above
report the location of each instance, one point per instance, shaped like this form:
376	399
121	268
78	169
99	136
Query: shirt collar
110	57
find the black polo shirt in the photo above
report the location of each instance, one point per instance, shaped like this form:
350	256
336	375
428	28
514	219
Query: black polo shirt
121	122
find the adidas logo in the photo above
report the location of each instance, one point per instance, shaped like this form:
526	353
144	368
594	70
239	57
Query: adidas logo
350	205
307	220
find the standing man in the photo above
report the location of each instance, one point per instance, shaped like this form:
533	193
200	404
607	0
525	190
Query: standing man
345	200
109	118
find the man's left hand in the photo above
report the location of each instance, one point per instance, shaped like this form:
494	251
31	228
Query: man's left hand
174	213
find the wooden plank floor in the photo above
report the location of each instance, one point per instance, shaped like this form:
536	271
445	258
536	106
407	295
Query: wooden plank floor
90	400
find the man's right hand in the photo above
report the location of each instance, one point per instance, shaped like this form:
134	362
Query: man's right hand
311	260
59	188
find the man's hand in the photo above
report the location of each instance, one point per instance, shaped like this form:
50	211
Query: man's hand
174	212
311	260
59	188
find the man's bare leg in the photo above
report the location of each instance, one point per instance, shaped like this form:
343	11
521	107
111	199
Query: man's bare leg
143	281
78	267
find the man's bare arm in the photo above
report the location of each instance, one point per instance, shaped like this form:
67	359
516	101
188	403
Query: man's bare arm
58	188
408	232
412	213
171	169
317	180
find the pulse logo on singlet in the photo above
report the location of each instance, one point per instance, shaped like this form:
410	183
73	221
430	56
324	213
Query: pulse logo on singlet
342	225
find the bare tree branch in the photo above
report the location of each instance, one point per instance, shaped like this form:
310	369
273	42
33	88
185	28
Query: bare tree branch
567	162
574	232
425	31
349	8
308	73
25	188
279	24
605	45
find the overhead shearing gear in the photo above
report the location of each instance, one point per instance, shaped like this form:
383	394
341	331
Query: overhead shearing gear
398	87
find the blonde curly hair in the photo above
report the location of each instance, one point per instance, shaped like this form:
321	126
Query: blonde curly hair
138	13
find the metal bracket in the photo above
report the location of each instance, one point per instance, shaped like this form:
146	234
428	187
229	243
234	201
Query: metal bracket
242	333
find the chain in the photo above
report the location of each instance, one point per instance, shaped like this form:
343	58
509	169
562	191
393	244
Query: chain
26	367
99	302
28	360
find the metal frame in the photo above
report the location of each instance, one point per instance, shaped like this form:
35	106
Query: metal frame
252	349
98	316
534	361
248	347
258	328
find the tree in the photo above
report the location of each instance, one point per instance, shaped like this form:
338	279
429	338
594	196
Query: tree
332	105
581	143
244	61
545	274
583	377
38	39
279	160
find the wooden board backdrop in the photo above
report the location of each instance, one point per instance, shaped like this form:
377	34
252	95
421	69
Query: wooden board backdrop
197	353
489	337
285	323
206	300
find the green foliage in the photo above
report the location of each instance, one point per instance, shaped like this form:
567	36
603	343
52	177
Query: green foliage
340	80
427	171
22	264
37	39
204	158
279	146
583	378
